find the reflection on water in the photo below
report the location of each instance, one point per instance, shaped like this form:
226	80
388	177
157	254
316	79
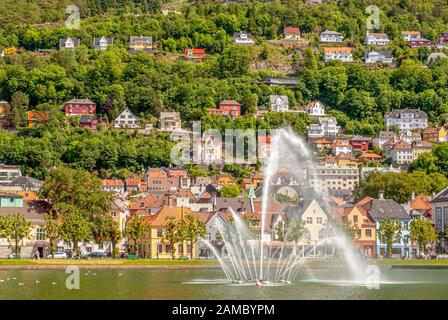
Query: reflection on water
325	283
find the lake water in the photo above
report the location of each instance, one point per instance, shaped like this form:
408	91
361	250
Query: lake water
322	282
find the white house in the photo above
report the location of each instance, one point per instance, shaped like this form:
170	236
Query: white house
211	150
326	127
406	119
439	205
126	119
341	146
376	39
402	153
279	103
410	35
243	38
68	43
170	121
2	52
331	36
102	43
315	108
382	138
378	56
338	53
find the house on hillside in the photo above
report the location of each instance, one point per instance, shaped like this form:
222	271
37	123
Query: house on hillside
376	39
140	43
170	121
410	35
315	109
406	119
338	53
37	119
194	54
279	103
378	56
69	43
291	33
331	36
228	108
126	119
4	114
102	43
326	127
243	38
79	107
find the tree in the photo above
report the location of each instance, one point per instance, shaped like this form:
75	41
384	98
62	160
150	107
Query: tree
75	228
291	230
15	229
172	233
234	61
52	231
191	230
389	232
422	232
114	236
67	188
100	228
230	191
135	230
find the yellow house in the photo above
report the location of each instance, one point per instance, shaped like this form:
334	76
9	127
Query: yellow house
358	217
153	245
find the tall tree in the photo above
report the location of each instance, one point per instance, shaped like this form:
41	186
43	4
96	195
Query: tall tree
75	228
136	228
422	232
16	228
172	234
389	232
52	230
191	230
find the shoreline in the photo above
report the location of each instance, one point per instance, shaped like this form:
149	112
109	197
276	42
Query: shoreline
106	267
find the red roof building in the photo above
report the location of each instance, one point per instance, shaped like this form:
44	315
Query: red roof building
230	108
195	54
79	107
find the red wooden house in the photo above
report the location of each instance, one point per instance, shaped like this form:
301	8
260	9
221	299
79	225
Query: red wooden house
359	144
79	107
230	108
195	54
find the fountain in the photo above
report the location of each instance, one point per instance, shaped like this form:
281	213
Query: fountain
256	258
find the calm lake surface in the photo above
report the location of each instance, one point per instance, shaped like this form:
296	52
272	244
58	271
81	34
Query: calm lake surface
321	282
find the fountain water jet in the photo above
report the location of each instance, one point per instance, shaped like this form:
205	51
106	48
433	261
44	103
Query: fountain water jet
258	259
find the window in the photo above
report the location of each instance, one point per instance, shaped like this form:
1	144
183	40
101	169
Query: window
368	233
114	214
309	220
319	220
159	233
355	218
159	248
41	234
167	248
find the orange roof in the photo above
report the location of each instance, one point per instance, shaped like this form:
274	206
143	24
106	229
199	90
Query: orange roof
337	200
370	155
291	30
133	181
364	201
410	32
223	179
338	49
322	141
112	183
421	203
160	217
37	115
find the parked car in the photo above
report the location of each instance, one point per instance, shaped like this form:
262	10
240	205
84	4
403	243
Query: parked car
98	255
133	256
57	255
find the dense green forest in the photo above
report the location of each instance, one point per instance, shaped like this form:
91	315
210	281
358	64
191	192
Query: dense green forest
150	83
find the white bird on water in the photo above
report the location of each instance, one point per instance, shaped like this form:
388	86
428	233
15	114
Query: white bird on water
53	283
37	281
21	283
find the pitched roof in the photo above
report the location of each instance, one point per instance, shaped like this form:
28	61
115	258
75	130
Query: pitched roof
291	30
370	155
421	203
338	49
80	101
112	183
33	211
402	145
442	196
159	218
386	208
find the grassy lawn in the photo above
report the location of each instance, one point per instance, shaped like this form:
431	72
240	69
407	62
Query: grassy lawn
106	262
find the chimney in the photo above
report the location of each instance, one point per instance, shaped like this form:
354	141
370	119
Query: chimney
381	195
412	195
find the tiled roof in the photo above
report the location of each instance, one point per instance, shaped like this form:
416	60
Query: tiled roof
291	30
159	219
380	209
112	183
442	196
